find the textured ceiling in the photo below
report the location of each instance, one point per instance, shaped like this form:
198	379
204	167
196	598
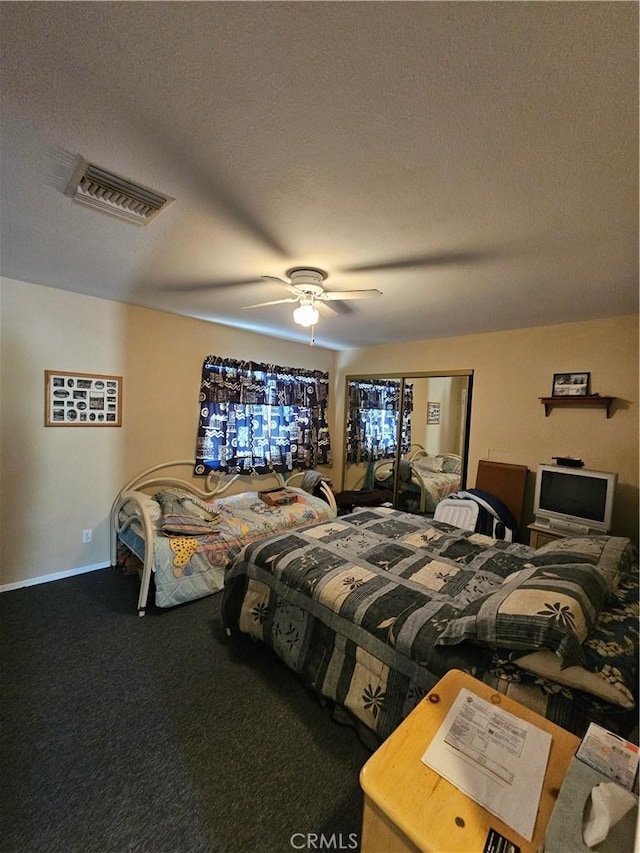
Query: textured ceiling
477	162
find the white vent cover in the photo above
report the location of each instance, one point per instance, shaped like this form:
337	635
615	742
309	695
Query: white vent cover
100	189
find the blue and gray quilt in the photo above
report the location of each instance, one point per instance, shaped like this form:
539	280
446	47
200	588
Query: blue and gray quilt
356	606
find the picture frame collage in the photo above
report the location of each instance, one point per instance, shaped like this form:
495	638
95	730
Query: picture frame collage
82	399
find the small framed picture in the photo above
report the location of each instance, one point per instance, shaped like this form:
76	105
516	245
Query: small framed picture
82	399
433	413
571	384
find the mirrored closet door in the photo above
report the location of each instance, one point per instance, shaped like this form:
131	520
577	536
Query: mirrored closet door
408	435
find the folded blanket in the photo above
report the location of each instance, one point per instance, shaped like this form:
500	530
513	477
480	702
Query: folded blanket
185	515
311	480
188	525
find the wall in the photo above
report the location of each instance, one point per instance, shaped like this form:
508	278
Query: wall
511	371
58	481
445	436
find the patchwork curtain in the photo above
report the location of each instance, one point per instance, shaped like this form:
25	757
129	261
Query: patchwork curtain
261	417
372	419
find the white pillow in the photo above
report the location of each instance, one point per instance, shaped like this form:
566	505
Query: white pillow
152	507
548	665
430	463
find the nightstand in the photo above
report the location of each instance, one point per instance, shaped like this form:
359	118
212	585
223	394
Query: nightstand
408	807
540	536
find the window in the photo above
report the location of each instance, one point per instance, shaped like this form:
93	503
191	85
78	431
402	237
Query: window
372	419
260	417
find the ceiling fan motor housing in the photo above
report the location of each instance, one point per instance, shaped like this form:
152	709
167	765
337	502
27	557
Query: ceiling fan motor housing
308	279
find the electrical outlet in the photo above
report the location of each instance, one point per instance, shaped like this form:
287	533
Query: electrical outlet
86	536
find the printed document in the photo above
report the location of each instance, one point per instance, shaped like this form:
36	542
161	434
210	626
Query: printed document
493	757
610	754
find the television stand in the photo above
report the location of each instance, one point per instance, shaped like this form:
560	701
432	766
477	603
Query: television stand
540	535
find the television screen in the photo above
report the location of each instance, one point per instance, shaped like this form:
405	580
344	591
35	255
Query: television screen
579	496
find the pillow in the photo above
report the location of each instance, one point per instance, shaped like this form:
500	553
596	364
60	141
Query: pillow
129	507
450	464
430	463
552	607
547	665
613	555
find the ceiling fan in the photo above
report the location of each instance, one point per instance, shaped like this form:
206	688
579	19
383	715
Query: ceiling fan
306	287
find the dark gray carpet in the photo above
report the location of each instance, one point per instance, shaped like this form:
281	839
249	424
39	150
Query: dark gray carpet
157	735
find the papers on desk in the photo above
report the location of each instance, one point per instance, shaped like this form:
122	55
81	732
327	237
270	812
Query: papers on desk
493	757
610	754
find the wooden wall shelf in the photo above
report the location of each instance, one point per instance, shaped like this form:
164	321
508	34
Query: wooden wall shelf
592	401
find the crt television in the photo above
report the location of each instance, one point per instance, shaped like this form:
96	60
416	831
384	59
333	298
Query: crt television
574	499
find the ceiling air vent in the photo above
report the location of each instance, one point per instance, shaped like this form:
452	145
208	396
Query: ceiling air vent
98	188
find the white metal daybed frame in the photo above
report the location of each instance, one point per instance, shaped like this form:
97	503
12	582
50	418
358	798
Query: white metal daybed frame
216	485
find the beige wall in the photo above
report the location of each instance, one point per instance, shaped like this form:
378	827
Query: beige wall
444	437
511	371
55	482
58	481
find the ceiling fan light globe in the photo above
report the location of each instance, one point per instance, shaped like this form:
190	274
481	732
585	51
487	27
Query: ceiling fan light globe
306	315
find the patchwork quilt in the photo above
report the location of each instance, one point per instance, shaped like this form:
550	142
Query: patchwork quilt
358	606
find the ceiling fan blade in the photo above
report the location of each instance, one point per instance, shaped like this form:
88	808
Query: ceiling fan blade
276	278
436	259
327	310
274	302
350	294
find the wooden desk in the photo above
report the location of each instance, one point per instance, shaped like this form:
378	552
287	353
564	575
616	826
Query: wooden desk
408	807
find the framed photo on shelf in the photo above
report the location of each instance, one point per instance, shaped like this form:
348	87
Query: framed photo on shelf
571	384
433	413
82	399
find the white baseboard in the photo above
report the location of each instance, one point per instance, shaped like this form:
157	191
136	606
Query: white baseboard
54	577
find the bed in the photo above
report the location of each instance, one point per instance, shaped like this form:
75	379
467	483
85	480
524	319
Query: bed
185	536
424	479
373	608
